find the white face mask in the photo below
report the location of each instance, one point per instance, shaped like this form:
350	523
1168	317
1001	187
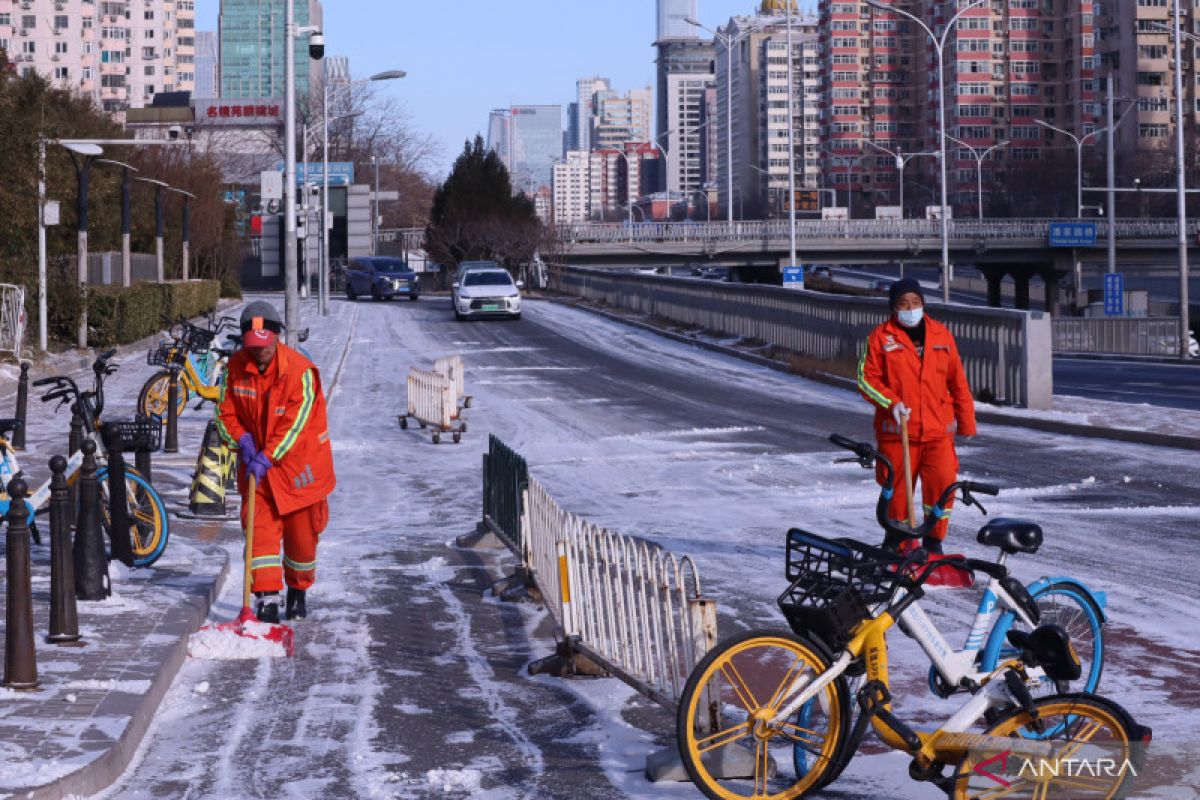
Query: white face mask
910	318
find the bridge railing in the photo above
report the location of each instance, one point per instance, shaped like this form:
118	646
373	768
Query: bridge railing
1127	336
777	230
1006	353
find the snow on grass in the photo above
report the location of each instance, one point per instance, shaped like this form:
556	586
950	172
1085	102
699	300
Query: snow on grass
466	781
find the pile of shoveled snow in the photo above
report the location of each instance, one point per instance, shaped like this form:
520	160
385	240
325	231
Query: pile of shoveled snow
226	644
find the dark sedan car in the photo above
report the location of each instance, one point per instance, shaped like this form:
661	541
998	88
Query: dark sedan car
381	278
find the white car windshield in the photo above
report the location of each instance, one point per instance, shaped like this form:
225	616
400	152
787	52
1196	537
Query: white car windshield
487	279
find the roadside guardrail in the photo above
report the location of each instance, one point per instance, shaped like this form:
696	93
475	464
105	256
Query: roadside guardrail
1127	336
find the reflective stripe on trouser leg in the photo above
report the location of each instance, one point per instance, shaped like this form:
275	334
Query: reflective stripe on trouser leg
301	531
266	565
937	466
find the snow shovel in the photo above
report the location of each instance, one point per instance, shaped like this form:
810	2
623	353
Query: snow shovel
949	576
245	637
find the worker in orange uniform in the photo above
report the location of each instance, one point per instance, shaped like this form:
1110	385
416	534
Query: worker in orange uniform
272	412
911	371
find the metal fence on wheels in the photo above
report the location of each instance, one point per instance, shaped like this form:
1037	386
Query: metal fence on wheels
12	318
431	403
452	368
505	476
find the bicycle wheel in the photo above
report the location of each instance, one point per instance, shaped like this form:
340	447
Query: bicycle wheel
149	525
737	688
1069	606
152	401
1096	752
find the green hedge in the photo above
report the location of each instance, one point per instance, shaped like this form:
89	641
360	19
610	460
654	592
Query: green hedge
117	315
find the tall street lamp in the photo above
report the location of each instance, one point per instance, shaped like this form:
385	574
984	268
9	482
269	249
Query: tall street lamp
791	112
979	156
126	218
159	199
1079	141
323	292
83	156
728	42
901	162
667	154
848	160
939	45
1181	187
185	272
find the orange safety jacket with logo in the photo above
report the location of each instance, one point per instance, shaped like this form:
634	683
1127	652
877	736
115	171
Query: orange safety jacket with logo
284	410
934	387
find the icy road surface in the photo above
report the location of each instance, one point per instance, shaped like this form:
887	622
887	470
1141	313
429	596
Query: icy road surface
407	682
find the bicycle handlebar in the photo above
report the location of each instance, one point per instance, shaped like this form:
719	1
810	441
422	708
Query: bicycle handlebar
867	455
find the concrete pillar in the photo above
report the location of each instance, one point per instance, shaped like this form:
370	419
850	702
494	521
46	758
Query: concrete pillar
994	278
1021	279
1051	299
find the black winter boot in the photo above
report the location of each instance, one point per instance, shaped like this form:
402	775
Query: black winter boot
267	607
296	609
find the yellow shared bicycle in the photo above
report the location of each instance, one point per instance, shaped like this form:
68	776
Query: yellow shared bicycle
770	714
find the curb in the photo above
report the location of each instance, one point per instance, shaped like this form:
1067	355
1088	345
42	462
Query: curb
991	417
103	772
1194	362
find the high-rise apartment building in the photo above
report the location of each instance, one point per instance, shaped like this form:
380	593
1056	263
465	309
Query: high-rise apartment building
618	119
207	63
579	125
598	185
252	48
1136	47
757	87
572	187
118	52
1008	65
685	70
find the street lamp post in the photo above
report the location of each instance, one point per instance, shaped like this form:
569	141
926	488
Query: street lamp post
185	232
1079	141
939	45
159	188
83	169
727	42
375	210
979	156
901	162
791	112
848	160
126	219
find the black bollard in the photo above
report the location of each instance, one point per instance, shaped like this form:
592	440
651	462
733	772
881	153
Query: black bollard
171	445
74	442
91	562
20	660
118	499
64	618
143	462
18	439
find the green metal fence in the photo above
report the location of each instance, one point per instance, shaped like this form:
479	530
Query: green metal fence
505	475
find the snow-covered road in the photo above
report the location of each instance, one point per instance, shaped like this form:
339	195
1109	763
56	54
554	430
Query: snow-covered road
409	683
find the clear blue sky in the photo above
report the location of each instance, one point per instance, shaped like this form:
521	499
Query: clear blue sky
465	58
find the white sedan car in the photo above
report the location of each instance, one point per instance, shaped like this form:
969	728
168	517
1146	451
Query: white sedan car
487	293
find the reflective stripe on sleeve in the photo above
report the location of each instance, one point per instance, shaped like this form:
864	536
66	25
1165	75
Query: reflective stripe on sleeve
301	419
867	389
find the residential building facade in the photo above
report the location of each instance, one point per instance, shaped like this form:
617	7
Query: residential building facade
252	48
572	187
120	53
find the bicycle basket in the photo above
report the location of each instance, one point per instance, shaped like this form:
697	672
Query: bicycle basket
197	340
834	581
139	433
167	355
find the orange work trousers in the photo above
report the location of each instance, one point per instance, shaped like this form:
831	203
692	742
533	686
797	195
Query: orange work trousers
934	464
299	533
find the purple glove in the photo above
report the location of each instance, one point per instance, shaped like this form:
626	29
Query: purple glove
246	450
259	466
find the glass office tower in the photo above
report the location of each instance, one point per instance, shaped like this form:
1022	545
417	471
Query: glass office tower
252	41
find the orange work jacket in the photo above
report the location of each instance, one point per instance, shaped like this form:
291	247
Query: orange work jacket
934	387
284	410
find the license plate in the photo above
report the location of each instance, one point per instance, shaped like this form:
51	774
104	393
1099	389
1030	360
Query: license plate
491	307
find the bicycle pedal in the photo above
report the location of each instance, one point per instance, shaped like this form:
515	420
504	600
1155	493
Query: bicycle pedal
1020	692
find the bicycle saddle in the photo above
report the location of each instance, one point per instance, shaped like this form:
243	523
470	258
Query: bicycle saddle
1011	535
7	426
1049	647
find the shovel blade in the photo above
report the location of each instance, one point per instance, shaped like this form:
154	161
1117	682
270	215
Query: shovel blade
223	641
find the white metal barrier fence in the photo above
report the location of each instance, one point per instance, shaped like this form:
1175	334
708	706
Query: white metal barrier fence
1135	336
431	403
628	605
452	367
12	318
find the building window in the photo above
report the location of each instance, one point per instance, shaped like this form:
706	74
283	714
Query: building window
62	22
61	74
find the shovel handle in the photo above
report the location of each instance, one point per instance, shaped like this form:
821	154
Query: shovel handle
249	535
908	477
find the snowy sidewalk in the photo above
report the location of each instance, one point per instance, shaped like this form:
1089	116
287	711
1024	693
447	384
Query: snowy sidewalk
76	733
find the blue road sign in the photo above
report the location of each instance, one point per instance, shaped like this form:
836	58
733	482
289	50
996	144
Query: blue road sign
1072	234
340	173
1114	294
793	277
